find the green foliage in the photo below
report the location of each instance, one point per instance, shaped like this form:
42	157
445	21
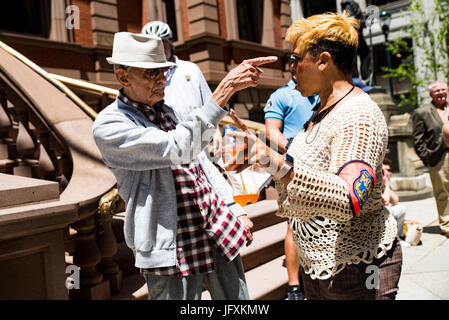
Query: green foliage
429	33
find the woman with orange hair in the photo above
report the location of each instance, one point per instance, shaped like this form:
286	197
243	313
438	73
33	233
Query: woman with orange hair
330	180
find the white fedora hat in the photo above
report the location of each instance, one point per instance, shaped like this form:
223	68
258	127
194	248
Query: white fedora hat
139	51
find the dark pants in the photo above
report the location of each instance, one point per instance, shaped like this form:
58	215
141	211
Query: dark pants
376	281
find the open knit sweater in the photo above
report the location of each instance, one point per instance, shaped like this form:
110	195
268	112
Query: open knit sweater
327	234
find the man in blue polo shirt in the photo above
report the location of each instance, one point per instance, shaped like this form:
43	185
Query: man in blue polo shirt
286	112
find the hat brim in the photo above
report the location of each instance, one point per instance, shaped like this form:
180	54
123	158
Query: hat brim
143	65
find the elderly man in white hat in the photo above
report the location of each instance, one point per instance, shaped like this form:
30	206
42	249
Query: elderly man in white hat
181	229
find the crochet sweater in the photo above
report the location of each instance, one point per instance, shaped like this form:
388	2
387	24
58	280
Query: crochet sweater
327	234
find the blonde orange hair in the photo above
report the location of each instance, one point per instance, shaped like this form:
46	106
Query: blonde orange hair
307	32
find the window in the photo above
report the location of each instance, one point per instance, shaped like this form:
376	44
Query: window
312	7
171	17
27	17
250	19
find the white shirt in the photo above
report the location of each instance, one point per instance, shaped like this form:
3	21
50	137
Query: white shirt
186	88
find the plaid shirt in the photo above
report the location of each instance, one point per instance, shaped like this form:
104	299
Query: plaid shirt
203	218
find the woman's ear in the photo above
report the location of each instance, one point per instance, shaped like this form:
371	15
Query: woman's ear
324	60
122	76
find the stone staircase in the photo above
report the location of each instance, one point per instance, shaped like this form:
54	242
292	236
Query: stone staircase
262	260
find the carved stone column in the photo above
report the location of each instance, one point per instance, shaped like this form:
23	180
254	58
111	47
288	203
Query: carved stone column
6	163
107	242
62	162
25	148
46	169
87	256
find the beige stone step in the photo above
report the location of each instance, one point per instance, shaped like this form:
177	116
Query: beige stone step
267	245
268	281
16	190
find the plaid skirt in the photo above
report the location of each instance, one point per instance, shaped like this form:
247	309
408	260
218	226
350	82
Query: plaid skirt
376	281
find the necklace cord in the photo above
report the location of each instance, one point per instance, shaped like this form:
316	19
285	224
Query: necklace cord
317	117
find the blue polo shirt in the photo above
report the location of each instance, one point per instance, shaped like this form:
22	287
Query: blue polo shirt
287	104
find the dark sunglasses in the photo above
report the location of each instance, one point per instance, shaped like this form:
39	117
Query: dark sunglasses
294	58
154	73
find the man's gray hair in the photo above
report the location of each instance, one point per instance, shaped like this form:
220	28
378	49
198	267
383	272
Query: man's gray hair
437	82
120	66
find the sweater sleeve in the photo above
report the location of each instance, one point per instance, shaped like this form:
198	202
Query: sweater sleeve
315	192
126	145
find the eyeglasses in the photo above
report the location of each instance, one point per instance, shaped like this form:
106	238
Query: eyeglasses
154	73
294	58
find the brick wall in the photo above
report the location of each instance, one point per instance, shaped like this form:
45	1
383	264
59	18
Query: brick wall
83	35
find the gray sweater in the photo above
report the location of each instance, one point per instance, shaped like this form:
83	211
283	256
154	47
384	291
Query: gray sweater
141	155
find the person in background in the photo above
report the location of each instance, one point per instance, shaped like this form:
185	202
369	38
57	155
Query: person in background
390	199
286	111
428	122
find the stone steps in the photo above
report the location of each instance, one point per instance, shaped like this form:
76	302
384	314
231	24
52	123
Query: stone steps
262	260
268	281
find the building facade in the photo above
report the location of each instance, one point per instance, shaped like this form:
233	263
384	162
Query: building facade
400	19
73	37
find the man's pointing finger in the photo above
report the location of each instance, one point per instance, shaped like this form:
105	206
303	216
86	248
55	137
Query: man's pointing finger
261	60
